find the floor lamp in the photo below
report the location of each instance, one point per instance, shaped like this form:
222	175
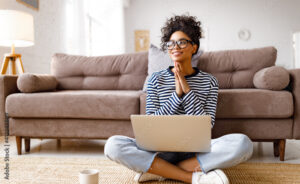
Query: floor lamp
16	31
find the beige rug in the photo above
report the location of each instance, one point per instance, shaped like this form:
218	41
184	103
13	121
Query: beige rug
43	170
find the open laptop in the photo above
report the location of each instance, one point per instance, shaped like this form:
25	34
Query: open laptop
176	133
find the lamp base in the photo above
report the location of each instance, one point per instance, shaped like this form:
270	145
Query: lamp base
12	58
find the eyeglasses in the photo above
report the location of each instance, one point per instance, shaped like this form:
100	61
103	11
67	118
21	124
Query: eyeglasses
182	43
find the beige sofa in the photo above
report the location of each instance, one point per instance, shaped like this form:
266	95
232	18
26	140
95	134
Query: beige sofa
95	97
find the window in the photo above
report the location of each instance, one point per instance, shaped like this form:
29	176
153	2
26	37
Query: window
95	27
296	40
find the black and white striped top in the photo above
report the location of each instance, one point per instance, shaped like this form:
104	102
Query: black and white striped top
163	100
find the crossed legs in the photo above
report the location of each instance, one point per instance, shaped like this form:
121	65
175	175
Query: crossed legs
183	171
226	151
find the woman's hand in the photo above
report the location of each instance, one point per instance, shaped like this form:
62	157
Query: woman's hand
182	87
179	91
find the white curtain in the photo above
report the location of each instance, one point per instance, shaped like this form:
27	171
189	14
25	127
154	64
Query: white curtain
95	27
297	49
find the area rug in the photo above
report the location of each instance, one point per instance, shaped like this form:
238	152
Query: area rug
50	170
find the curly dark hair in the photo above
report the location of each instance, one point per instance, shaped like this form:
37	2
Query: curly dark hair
185	23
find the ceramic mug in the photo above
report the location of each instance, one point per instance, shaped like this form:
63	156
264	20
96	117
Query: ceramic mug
89	176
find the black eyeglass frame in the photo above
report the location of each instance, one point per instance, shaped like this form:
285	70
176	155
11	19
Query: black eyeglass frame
177	43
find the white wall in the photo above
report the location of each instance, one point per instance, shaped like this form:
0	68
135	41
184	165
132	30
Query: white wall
49	34
271	22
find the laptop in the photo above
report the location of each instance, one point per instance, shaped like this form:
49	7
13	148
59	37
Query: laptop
172	133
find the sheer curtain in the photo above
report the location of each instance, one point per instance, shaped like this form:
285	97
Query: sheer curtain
95	27
297	49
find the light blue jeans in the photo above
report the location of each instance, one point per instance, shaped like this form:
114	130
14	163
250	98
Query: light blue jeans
226	151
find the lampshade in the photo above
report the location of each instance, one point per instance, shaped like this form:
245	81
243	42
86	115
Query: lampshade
16	29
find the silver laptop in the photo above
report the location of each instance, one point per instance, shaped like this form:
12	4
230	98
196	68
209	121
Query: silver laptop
176	133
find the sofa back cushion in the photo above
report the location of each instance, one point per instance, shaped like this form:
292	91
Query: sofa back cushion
236	68
117	72
232	68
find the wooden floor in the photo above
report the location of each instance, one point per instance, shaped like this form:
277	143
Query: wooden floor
263	151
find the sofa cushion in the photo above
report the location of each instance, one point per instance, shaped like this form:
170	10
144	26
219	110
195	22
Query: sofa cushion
273	78
248	103
29	82
254	103
117	72
85	104
236	68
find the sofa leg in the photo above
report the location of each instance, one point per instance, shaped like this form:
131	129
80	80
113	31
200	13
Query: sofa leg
276	148
27	144
19	144
282	149
279	148
58	142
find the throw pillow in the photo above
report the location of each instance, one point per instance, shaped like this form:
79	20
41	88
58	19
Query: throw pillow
30	83
159	60
272	78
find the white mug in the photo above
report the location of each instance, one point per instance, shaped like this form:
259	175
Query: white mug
89	176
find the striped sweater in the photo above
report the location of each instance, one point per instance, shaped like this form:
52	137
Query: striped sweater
163	100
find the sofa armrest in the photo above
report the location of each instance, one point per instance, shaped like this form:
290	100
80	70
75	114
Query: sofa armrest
30	83
143	103
8	85
295	89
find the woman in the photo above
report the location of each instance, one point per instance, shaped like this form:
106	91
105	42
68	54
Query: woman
181	89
